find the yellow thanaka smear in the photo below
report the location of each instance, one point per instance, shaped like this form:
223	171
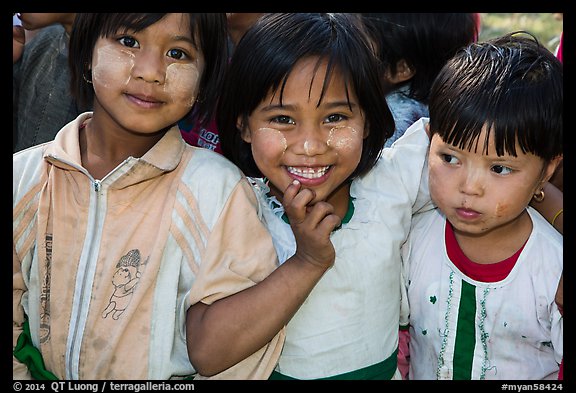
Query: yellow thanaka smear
272	140
112	68
343	138
307	147
182	82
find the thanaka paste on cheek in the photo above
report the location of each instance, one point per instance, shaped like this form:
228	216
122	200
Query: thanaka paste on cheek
111	68
344	138
500	210
181	83
271	140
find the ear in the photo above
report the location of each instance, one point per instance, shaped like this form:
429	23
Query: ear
547	173
403	73
366	130
244	131
551	168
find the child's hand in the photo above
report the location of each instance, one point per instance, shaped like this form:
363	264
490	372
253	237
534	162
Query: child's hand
311	224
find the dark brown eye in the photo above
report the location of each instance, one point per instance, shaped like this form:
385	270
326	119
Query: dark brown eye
176	54
128	41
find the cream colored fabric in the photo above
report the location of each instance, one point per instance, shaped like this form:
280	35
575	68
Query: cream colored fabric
105	270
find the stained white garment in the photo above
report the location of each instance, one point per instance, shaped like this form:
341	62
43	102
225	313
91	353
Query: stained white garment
518	329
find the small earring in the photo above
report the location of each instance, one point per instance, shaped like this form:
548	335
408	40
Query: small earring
539	197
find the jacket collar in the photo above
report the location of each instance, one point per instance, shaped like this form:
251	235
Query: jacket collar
164	156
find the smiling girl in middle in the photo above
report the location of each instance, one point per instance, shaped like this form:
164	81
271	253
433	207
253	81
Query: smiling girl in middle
305	117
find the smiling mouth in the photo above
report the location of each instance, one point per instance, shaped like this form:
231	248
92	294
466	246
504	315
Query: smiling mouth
307	172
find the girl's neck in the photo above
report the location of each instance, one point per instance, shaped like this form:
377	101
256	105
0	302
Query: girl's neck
104	146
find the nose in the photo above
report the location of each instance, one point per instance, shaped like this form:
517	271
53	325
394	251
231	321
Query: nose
149	67
472	182
312	141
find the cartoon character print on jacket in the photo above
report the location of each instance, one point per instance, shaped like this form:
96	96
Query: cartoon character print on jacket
124	280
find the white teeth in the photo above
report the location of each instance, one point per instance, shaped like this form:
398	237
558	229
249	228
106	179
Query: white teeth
308	173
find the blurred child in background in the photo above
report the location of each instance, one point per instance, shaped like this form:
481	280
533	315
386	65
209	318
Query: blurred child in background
41	99
412	48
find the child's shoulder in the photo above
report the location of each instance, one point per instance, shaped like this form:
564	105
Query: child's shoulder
542	229
424	222
211	163
213	182
543	253
415	136
31	158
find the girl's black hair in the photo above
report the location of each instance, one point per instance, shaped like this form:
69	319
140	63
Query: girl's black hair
511	84
209	34
424	40
266	55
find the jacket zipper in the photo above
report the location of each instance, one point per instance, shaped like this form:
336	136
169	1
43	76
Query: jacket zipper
86	269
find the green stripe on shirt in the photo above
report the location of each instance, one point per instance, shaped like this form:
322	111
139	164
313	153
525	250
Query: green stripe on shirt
465	333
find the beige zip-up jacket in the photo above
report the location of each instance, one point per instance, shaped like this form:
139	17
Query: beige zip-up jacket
104	270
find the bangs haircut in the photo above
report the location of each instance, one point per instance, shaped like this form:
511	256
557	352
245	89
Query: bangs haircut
267	54
513	86
209	36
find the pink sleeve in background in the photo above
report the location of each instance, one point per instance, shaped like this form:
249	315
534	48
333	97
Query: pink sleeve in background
478	20
559	50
